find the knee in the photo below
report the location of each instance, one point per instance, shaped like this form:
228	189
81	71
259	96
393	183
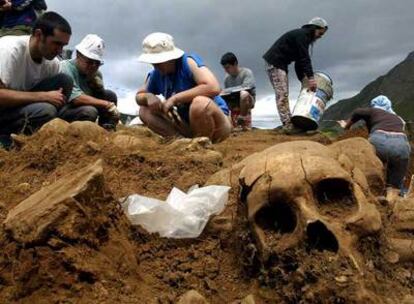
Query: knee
143	114
88	113
44	111
65	82
111	96
200	106
245	97
48	111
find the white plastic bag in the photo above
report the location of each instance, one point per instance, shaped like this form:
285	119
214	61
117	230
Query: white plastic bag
183	215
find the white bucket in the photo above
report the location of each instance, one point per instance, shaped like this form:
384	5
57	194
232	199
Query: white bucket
310	106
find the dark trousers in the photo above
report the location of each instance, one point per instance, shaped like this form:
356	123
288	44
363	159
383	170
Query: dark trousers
27	119
71	112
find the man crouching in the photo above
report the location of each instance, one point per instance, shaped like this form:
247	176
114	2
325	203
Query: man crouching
89	100
32	89
192	107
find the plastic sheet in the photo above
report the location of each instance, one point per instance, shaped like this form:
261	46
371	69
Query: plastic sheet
182	215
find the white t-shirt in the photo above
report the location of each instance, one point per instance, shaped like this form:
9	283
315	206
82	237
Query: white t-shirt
18	71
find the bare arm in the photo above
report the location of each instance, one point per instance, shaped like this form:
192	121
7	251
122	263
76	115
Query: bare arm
11	98
86	100
142	96
207	84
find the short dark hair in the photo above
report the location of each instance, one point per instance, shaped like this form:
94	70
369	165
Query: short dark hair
229	58
50	21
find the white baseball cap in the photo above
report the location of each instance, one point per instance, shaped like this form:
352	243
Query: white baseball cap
92	46
318	21
158	48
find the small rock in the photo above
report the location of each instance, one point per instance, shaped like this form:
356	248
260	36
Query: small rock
85	130
408	299
93	147
45	183
192	297
221	223
341	279
127	142
55	126
392	257
23	187
248	300
405	274
199	142
210	284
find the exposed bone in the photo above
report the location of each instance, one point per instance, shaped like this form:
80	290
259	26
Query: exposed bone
403	247
303	191
32	219
85	130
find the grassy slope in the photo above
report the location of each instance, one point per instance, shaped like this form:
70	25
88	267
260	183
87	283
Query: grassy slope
397	84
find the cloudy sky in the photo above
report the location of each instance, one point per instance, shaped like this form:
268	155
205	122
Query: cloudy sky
366	37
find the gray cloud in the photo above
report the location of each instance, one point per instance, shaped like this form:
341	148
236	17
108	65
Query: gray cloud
366	37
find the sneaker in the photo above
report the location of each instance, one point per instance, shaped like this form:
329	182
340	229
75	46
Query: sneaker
242	123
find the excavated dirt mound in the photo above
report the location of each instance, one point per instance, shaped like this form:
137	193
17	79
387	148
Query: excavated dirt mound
64	238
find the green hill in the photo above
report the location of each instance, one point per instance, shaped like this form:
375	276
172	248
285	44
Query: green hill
397	84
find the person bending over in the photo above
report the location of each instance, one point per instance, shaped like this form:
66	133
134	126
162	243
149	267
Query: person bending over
386	134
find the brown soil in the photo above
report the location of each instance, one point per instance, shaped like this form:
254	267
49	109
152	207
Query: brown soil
220	264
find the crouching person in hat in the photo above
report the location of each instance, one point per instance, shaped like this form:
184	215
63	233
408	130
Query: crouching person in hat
32	89
89	100
192	107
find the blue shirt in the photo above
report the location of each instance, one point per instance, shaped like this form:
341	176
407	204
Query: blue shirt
181	80
22	13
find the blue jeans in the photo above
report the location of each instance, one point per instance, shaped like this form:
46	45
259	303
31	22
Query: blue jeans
394	151
70	112
27	119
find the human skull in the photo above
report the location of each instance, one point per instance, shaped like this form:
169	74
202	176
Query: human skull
303	191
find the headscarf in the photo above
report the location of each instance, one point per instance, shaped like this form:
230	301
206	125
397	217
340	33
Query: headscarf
382	102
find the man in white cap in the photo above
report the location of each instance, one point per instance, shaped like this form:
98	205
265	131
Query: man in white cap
192	106
89	99
292	46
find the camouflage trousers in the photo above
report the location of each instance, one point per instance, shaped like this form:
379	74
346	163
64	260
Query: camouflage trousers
18	30
279	80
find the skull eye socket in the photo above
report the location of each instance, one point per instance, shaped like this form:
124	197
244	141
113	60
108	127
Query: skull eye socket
277	217
335	197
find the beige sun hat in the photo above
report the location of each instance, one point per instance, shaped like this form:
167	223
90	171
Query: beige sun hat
92	46
158	48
